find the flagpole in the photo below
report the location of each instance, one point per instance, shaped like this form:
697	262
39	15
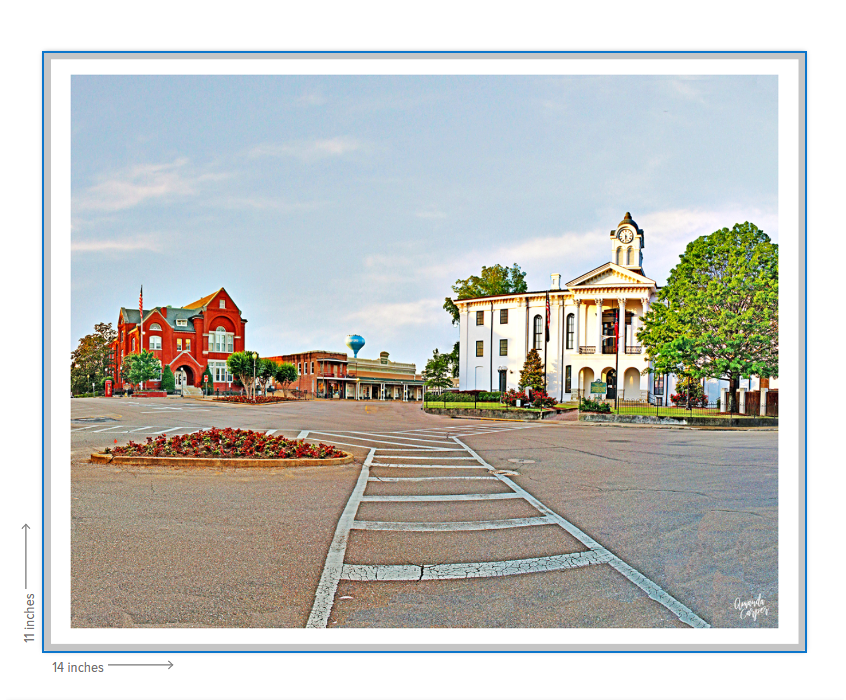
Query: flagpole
141	322
545	342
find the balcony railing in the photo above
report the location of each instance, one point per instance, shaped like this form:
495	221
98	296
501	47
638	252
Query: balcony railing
633	349
587	349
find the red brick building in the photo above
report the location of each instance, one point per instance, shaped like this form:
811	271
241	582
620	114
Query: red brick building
187	338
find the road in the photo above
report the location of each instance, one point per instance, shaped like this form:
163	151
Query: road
439	523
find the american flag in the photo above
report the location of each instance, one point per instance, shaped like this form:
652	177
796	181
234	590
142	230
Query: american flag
141	301
547	317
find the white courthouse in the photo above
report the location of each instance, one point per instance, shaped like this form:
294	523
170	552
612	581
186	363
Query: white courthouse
496	333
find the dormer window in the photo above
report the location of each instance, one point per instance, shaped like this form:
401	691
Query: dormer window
223	303
182	322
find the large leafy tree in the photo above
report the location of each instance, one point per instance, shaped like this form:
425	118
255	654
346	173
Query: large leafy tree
140	367
718	314
532	373
265	371
285	374
243	365
454	359
437	372
492	281
92	361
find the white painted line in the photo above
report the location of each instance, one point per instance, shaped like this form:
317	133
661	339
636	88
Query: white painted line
111	427
368	443
430	466
303	435
324	596
649	587
416	457
482	569
418	449
452	526
444	497
167	430
353	434
269	432
146	427
426	478
87	427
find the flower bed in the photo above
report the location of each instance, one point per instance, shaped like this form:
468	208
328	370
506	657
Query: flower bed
226	443
256	400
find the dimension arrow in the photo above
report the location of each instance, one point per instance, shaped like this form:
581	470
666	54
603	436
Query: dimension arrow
168	664
25	528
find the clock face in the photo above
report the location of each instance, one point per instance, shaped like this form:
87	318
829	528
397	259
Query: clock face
625	236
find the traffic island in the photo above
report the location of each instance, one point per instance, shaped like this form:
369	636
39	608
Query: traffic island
513	414
227	447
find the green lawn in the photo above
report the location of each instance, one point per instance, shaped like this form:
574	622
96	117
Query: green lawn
486	405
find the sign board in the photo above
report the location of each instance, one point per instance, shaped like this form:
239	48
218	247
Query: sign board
598	387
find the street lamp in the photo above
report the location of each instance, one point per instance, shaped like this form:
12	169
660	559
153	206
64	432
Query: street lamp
255	358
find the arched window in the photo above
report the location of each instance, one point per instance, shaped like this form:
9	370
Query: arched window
619	255
538	344
629	256
221	341
155	327
571	322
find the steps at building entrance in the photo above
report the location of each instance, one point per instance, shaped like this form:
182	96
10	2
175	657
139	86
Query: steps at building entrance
193	391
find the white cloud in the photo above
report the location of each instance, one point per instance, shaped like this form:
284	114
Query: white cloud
308	150
403	314
113	245
132	186
260	203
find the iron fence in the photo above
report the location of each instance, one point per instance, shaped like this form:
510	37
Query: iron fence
655	407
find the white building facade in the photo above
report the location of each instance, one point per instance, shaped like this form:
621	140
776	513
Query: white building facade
593	320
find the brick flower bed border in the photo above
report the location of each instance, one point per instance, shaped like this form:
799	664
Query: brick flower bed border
236	462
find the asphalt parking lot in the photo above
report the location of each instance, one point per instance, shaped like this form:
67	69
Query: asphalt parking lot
446	523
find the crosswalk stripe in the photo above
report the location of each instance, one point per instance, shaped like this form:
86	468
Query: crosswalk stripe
428	478
443	497
482	569
454	526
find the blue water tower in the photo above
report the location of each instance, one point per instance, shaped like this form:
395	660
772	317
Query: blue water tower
355	343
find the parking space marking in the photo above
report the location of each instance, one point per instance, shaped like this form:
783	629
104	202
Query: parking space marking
111	427
428	478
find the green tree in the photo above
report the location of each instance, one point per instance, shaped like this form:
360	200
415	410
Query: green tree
265	371
92	361
532	373
492	281
454	359
285	374
718	314
243	365
168	380
437	371
140	367
207	381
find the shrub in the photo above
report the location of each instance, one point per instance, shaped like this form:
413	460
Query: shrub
589	406
168	380
541	399
511	397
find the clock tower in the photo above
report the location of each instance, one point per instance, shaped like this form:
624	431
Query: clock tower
627	244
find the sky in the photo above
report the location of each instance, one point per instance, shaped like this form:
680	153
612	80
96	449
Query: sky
330	205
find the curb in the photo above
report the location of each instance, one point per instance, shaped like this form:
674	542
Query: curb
147	461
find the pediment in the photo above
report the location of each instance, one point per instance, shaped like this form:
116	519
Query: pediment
610	275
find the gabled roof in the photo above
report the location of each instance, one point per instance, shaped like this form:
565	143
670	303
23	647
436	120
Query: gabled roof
131	316
611	274
205	301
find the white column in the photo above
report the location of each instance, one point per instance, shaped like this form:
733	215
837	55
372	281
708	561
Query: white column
621	347
598	303
723	395
742	401
644	304
763	408
577	335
